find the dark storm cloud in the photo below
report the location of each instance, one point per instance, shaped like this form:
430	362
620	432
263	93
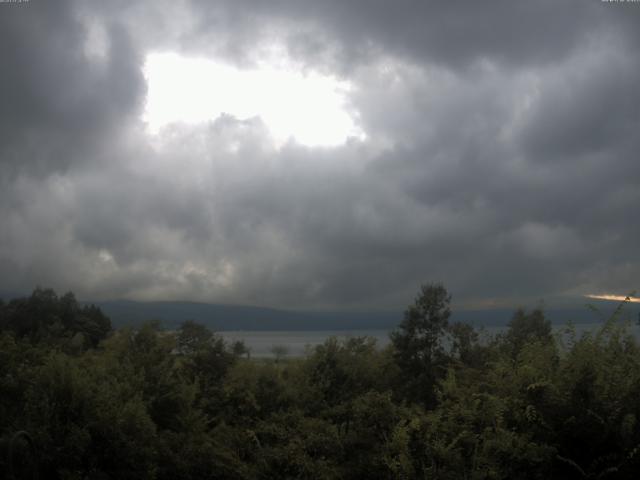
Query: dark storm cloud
57	102
501	154
453	34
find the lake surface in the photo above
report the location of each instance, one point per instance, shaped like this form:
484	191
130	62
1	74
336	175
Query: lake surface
296	343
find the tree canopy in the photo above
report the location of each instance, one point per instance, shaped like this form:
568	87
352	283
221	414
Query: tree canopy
79	400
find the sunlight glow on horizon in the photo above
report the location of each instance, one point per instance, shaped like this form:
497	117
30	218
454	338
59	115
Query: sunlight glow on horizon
617	298
309	108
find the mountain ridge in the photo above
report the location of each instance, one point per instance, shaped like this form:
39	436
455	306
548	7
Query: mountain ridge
222	317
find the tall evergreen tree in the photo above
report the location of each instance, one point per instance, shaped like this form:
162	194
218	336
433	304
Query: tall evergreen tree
418	342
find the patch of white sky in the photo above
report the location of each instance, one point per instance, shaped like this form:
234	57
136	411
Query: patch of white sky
306	106
614	297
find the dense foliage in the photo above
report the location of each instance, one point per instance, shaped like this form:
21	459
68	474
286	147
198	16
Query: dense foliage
78	400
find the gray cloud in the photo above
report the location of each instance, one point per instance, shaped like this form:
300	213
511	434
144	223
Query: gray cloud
501	155
58	102
451	34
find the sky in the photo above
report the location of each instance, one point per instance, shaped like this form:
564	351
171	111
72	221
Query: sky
320	154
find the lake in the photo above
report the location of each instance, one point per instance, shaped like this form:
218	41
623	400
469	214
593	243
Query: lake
296	343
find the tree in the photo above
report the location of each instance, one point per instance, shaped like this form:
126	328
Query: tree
193	337
342	369
465	345
419	350
62	321
525	328
279	352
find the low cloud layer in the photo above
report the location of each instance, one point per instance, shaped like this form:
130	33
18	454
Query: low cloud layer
500	154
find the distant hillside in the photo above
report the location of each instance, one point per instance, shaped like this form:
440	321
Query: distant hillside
229	317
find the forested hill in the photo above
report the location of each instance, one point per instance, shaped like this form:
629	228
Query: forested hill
230	317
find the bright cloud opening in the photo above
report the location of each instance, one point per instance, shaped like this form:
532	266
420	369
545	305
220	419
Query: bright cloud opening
309	107
617	298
